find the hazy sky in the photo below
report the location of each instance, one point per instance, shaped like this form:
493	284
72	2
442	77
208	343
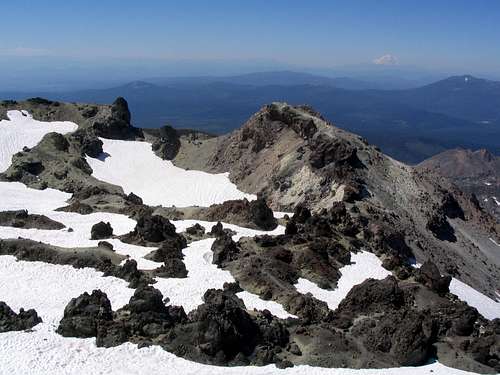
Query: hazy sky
436	34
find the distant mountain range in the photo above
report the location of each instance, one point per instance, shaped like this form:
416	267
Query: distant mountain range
410	125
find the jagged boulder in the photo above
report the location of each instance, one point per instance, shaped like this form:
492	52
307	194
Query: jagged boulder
134	199
167	143
224	250
10	321
170	254
430	276
196	230
155	229
84	314
301	214
130	273
221	326
101	230
89	143
254	214
372	296
117	124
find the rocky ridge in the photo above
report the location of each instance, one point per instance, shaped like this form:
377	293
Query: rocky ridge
475	172
346	196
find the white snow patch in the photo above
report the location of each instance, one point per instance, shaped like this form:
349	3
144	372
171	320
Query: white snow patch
496	201
487	307
22	130
44	202
364	266
488	183
48	288
495	242
281	215
38	285
182	225
202	275
253	301
43	352
134	166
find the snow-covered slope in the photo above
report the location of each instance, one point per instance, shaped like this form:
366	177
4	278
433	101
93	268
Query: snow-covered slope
43	352
22	130
44	202
134	166
48	288
364	266
487	307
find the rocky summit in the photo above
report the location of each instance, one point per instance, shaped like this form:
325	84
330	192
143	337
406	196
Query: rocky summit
311	247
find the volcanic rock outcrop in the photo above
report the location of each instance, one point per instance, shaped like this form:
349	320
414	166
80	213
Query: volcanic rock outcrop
292	156
10	321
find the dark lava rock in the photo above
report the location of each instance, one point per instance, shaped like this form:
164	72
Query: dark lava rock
172	268
251	214
120	110
430	276
372	296
406	336
101	231
388	240
325	151
89	191
222	325
10	321
167	145
302	125
224	250
83	315
130	273
57	141
220	331
134	199
486	347
261	215
301	214
89	143
117	125
217	230
22	219
153	228
291	228
196	230
78	207
170	253
102	260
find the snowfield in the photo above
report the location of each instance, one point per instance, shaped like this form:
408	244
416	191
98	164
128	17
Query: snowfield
22	130
48	288
364	266
43	352
487	307
135	167
44	202
203	275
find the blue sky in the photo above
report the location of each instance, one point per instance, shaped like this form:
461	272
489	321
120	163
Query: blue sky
454	35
